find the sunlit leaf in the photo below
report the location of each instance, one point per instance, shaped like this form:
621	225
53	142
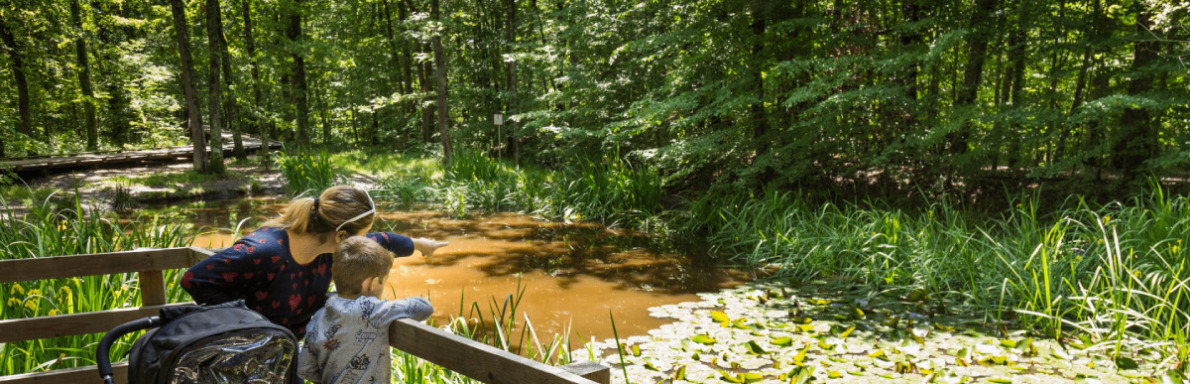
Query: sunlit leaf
847	333
754	348
1124	362
800	358
783	341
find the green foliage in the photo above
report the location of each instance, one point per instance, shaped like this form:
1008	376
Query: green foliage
48	230
1108	272
862	98
305	172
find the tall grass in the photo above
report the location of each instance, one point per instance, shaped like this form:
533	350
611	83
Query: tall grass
499	327
606	189
306	172
1116	273
47	230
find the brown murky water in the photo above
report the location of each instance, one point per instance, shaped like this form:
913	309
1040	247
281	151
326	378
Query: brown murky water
572	275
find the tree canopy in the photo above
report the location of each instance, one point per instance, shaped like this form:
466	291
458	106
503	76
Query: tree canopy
933	94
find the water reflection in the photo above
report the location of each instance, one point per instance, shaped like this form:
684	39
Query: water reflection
572	274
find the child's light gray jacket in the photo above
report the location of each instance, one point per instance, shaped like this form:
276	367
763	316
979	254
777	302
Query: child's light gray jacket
347	340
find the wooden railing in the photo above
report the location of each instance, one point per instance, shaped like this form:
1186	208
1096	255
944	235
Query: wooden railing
468	357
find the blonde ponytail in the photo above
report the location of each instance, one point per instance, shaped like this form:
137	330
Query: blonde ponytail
335	206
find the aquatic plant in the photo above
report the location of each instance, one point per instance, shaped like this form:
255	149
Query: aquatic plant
498	327
825	332
306	172
47	230
1108	273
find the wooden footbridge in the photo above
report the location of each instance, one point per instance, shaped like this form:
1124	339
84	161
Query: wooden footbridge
473	359
44	164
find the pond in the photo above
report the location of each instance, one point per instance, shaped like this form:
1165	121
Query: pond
572	274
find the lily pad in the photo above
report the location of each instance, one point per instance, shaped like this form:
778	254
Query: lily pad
847	333
754	348
1124	362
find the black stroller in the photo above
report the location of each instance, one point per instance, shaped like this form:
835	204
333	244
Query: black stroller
225	343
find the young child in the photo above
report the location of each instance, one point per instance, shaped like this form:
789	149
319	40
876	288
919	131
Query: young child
347	340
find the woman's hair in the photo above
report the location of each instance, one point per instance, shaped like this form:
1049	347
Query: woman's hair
358	258
332	208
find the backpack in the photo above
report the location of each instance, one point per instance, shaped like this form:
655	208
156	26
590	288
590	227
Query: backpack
224	343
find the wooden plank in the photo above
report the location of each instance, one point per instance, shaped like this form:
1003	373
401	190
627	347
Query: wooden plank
73	324
88	374
591	371
152	288
41	268
476	360
198	254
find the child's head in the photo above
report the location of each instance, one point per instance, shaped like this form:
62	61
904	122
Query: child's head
360	267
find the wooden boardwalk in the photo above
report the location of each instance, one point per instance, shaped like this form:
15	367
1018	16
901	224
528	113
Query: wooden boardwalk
113	158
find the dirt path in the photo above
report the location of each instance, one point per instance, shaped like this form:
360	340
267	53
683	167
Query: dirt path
127	187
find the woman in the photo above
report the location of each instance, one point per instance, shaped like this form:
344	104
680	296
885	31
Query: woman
283	269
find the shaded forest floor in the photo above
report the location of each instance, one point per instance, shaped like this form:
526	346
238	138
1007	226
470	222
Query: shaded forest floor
128	187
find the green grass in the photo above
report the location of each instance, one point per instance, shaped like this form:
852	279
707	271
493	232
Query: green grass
608	190
173	179
48	230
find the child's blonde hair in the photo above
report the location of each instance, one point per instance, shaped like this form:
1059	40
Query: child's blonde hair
356	259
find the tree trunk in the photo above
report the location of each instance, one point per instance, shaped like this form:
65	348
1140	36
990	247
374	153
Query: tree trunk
326	126
1014	83
250	44
1135	140
91	128
393	50
759	10
427	111
119	102
194	115
977	45
214	87
407	63
24	120
513	106
301	103
440	73
232	118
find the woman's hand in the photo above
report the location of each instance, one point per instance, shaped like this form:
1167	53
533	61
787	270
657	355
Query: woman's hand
427	246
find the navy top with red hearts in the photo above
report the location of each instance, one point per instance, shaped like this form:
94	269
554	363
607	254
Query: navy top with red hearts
259	269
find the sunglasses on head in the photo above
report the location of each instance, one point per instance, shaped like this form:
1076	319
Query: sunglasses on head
370	211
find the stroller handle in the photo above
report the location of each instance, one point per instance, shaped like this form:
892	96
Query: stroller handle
101	352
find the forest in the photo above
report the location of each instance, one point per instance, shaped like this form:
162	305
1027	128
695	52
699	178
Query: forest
1001	183
887	98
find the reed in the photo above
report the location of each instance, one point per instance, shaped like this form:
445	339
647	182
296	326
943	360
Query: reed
48	230
499	327
1114	274
306	172
608	189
